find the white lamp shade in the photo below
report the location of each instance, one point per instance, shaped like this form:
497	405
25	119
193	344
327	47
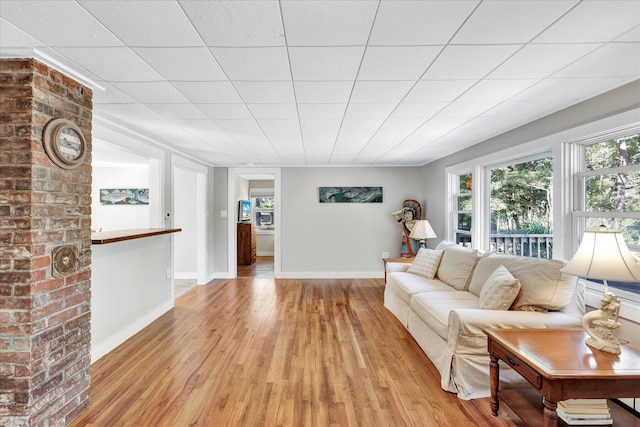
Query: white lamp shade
603	255
422	230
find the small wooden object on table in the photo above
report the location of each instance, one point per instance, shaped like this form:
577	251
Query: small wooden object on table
406	260
560	366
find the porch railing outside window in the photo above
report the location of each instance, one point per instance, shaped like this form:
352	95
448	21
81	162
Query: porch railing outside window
531	245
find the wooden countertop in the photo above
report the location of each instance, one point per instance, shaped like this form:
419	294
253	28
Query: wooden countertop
104	237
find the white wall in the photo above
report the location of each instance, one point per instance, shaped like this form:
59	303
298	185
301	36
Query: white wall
119	217
129	289
342	239
185	218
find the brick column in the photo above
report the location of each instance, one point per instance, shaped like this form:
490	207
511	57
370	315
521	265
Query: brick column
44	321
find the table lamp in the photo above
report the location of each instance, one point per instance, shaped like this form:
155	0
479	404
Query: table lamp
422	231
603	255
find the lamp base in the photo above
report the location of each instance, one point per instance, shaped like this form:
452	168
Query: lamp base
600	325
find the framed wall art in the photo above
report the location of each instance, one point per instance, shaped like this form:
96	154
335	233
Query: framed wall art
350	194
124	196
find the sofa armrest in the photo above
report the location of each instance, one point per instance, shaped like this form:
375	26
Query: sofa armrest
392	267
465	334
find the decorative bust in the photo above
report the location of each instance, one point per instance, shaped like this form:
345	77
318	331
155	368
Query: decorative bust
411	212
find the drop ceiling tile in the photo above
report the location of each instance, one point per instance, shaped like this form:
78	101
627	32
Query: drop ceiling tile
265	92
323	126
253	63
325	63
183	64
130	112
370	110
605	61
321	111
541	60
279	125
359	125
438	90
419	22
465	109
236	23
554	88
323	92
178	111
496	90
286	141
273	111
401	124
327	23
593	21
422	110
44	20
396	63
209	92
12	36
469	62
114	64
111	95
318	147
152	92
633	35
138	24
230	126
348	145
379	92
502	22
226	111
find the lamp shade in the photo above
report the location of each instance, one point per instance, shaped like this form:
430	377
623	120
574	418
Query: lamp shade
422	230
603	255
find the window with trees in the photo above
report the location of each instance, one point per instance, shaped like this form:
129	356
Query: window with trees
462	209
608	187
263	212
521	208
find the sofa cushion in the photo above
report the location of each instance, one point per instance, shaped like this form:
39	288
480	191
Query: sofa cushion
456	265
426	262
434	307
500	290
542	285
406	284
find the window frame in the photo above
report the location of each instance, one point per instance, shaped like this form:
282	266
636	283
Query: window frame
256	193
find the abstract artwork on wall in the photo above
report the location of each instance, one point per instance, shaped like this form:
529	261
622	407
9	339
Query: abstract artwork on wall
124	196
350	194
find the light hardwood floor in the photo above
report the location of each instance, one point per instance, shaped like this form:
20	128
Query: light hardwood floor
265	352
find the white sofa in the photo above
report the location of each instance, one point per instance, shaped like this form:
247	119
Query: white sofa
443	314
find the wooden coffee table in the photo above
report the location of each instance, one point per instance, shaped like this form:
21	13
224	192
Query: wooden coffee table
560	366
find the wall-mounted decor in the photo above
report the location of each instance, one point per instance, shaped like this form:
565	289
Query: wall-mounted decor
64	143
350	194
64	261
124	196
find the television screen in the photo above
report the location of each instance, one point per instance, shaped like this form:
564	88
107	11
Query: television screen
244	211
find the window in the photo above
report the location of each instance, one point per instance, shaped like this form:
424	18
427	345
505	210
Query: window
462	209
521	208
608	190
263	212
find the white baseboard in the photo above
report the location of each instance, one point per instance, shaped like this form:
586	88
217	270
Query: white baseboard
101	348
221	275
331	275
264	253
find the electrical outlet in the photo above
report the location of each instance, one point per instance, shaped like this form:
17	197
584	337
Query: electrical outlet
385	254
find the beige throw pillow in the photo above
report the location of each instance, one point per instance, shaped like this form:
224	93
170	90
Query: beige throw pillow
426	263
457	265
500	290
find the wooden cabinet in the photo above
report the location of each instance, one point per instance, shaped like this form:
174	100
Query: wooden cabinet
246	243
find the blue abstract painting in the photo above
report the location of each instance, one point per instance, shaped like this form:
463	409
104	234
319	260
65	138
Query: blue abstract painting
350	194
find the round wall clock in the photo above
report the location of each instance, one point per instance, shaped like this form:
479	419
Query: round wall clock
64	143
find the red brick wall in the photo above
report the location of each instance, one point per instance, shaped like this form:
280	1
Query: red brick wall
44	321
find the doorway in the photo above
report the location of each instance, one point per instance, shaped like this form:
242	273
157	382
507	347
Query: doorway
239	189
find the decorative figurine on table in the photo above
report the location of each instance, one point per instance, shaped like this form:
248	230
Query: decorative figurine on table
600	324
407	216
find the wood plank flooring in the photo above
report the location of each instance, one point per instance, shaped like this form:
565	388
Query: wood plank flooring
265	352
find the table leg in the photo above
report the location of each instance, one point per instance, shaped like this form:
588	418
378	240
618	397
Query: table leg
550	414
494	375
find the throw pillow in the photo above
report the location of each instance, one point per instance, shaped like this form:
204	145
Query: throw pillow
457	265
500	290
426	263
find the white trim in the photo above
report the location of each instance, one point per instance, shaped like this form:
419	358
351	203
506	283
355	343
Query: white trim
332	275
265	253
100	349
193	275
232	180
629	310
221	275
